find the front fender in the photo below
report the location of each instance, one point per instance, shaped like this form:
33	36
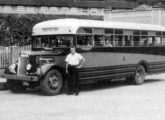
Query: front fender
44	68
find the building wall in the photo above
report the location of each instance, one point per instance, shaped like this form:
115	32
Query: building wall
154	16
163	17
51	10
131	16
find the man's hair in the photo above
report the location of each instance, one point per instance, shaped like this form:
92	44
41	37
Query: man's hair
72	47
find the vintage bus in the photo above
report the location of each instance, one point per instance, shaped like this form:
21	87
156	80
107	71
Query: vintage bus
111	50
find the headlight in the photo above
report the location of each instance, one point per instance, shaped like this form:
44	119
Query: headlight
28	67
13	66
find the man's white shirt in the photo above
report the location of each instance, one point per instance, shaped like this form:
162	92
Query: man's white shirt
73	59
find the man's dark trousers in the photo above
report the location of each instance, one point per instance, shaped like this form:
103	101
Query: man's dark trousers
72	86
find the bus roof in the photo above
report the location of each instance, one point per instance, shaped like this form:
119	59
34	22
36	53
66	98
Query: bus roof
70	26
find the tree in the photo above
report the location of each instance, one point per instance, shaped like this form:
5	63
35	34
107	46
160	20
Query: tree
17	29
149	2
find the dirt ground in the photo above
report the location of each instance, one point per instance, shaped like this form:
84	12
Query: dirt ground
116	101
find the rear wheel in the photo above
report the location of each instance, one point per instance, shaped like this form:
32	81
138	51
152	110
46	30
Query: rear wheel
139	75
15	86
52	83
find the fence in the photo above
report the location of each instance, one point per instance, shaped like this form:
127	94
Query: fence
9	54
5	57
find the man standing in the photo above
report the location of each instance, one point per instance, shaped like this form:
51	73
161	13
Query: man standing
73	61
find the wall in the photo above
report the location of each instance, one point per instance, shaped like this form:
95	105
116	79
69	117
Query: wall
154	16
51	10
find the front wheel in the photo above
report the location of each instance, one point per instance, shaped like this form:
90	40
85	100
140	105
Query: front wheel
52	83
139	75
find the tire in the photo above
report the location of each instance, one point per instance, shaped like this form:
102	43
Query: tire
139	75
52	83
15	86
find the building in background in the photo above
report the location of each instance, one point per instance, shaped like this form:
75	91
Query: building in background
142	14
91	9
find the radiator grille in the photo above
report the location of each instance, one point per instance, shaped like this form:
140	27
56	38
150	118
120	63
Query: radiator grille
22	63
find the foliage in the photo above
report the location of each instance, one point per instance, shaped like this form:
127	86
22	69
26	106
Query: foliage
149	2
17	29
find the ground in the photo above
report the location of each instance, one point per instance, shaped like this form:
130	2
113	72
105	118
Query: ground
116	101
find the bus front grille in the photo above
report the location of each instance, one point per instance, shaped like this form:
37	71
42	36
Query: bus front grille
22	63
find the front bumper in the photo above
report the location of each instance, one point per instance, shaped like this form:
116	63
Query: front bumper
16	77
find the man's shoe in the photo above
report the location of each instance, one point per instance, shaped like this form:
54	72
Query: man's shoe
70	93
76	93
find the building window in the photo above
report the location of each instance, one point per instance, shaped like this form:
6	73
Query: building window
89	0
74	10
20	9
7	8
30	9
44	9
53	10
93	11
85	10
65	10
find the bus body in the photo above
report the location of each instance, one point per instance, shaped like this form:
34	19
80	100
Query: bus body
111	50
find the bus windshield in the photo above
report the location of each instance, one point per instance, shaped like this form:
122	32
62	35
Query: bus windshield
54	41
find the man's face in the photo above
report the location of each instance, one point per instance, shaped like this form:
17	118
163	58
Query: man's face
72	50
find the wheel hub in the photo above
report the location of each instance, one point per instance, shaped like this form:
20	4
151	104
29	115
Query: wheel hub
53	80
139	75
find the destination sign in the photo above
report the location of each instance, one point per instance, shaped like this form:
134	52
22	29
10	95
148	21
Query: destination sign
50	29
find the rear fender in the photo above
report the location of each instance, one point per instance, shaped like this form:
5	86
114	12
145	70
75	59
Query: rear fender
145	65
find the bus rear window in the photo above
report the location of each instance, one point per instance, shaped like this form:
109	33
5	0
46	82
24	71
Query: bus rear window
52	41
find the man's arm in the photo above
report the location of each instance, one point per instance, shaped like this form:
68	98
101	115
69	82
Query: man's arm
82	61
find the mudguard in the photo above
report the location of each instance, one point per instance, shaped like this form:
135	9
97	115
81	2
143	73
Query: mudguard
42	70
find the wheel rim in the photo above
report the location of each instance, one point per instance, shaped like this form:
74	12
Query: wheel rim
140	75
53	82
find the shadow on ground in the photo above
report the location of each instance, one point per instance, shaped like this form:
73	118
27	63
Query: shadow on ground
3	86
89	87
113	84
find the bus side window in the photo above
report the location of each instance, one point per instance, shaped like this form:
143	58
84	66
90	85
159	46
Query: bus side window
84	40
98	40
136	37
119	37
53	41
163	40
38	42
108	41
158	41
127	40
68	41
45	41
151	40
118	40
144	41
136	40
